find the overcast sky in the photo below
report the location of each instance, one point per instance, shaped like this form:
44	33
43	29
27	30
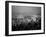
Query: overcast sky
25	10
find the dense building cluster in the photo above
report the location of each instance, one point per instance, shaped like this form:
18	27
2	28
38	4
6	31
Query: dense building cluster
26	23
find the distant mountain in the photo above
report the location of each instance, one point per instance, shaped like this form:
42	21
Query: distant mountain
26	19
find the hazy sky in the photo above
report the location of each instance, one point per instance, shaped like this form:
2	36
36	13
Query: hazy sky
25	10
